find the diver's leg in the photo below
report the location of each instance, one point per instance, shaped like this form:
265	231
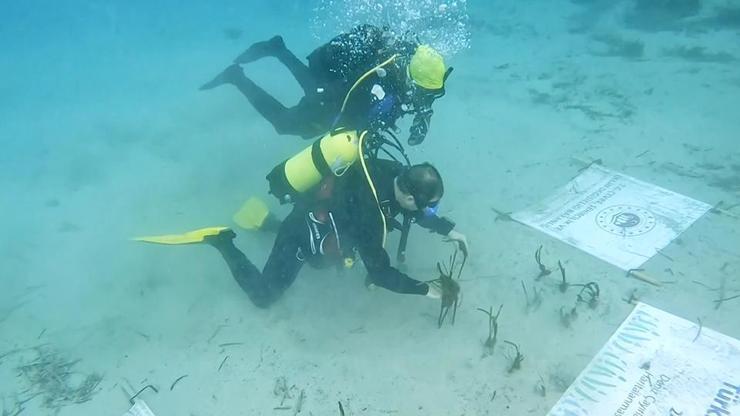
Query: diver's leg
279	273
300	71
275	47
265	104
244	271
285	260
233	74
271	224
306	119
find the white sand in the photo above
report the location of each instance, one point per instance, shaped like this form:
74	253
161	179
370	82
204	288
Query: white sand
142	152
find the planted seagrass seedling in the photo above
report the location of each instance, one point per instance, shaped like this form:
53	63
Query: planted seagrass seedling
448	287
589	294
516	360
492	328
540	387
544	271
535	301
567	317
564	285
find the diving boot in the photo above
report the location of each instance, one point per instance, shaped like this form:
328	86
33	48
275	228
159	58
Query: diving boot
223	238
230	75
259	50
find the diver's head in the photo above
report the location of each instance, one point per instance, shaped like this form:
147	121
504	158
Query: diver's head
419	188
427	73
427	68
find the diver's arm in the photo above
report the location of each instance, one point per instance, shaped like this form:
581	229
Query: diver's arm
420	126
432	222
381	273
445	227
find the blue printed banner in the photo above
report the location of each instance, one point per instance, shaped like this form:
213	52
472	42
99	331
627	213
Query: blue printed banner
657	364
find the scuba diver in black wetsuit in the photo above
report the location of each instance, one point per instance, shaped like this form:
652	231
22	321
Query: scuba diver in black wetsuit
340	210
365	79
326	232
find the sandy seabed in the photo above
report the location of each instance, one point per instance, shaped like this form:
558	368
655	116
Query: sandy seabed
148	154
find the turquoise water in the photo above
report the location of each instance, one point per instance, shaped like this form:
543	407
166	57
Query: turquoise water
105	137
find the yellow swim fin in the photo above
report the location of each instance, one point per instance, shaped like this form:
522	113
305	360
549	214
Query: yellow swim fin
190	237
252	215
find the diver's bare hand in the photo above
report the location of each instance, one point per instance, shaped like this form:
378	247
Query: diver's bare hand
460	239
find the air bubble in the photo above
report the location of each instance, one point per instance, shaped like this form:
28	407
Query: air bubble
442	24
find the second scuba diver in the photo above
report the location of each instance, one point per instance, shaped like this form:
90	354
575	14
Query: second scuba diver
338	211
365	79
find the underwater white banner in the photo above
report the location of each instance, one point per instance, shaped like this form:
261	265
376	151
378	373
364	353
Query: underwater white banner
657	364
614	217
139	408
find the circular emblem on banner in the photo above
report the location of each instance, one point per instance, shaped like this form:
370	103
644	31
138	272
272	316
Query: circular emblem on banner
625	220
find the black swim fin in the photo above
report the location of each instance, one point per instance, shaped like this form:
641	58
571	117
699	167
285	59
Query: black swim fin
259	50
227	76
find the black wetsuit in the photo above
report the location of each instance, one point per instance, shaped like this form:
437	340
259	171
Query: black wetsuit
353	213
375	104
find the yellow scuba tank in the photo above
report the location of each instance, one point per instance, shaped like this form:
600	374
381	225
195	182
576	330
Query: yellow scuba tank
332	154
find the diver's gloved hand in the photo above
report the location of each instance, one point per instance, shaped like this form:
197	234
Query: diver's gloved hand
434	292
459	239
448	292
419	129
